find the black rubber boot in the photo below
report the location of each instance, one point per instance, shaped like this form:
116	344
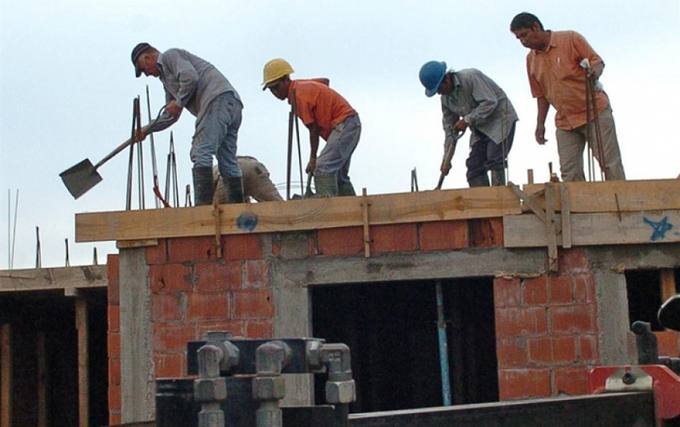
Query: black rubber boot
479	181
235	187
203	185
498	177
326	185
346	189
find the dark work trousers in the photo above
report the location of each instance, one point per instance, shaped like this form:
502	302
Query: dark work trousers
486	155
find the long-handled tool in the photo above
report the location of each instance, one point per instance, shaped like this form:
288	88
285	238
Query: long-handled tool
448	155
79	178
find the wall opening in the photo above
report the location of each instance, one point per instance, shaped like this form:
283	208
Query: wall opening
645	295
392	332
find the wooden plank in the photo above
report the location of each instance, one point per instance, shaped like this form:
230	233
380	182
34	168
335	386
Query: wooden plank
525	231
40	279
307	214
42	378
566	216
549	227
127	244
6	375
367	235
619	196
83	364
668	287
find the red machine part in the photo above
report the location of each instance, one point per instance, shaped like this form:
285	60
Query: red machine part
664	383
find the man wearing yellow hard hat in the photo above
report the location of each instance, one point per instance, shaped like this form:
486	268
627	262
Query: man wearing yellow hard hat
326	114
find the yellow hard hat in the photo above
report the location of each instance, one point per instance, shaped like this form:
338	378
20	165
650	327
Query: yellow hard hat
274	70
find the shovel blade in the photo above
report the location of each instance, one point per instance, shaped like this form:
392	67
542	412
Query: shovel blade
80	178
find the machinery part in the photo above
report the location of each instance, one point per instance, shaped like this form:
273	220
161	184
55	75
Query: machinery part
431	76
269	386
326	185
645	341
210	389
235	187
274	70
203	185
669	313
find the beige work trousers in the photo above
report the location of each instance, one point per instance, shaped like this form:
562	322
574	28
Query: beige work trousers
256	182
571	143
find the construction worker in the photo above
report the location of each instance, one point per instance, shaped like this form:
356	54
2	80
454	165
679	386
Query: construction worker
194	83
472	100
326	114
557	77
256	182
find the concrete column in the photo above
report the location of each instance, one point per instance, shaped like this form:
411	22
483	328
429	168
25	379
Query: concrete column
613	323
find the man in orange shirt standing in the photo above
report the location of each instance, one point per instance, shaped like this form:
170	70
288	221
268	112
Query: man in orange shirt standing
557	77
326	114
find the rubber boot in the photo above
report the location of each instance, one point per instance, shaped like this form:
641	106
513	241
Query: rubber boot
203	185
346	189
498	177
326	185
479	181
235	187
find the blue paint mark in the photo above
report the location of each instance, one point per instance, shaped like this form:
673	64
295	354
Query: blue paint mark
247	221
660	228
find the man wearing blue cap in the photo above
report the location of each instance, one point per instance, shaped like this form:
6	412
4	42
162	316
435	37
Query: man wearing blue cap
193	83
472	100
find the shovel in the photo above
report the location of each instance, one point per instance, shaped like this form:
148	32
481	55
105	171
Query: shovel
448	155
80	178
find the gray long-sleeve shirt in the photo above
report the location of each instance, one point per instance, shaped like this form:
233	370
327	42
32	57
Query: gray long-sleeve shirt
191	81
481	103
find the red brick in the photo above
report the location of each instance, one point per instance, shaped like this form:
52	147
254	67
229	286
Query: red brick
184	249
172	338
113	315
256	274
523	383
572	381
573	319
584	287
394	238
166	307
588	348
157	254
112	278
514	322
242	246
486	232
535	291
169	365
573	261
345	241
217	276
253	304
170	278
259	329
560	289
208	306
668	343
114	371
511	353
113	344
443	235
564	350
506	292
540	351
114	418
115	400
234	327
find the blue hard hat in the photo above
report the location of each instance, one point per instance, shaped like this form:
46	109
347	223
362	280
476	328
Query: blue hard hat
431	76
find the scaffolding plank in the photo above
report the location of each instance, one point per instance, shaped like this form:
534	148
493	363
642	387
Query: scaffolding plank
617	196
40	279
522	231
306	214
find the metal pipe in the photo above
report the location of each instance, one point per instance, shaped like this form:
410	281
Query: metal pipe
443	346
154	166
14	232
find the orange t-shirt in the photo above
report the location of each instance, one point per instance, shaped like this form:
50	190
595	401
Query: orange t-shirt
317	103
555	74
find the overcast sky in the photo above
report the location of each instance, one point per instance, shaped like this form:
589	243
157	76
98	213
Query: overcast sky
67	84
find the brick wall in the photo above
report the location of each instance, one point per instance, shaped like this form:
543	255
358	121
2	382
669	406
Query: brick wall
546	331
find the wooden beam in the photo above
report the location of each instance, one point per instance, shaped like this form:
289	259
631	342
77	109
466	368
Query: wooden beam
367	235
40	279
83	364
526	231
550	227
566	216
307	214
668	286
43	379
127	244
6	375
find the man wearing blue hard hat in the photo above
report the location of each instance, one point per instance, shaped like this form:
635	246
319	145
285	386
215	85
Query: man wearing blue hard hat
472	100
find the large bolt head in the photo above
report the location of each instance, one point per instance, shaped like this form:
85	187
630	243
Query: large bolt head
231	356
340	391
210	389
313	353
269	388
